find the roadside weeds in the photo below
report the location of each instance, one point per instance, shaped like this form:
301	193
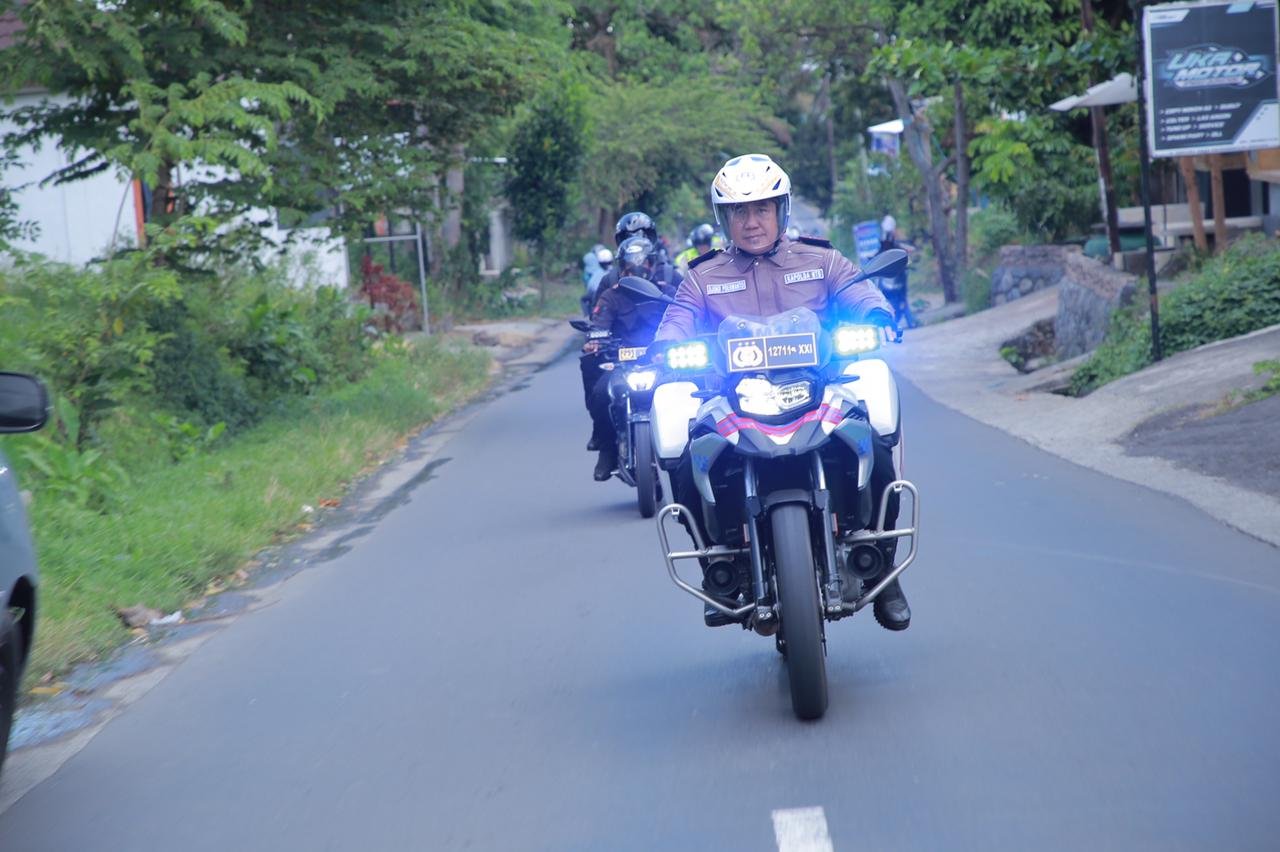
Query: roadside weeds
187	529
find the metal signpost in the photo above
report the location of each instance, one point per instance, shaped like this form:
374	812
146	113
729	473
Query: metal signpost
1209	87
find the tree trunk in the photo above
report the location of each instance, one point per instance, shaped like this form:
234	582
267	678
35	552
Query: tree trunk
916	133
1219	204
962	185
163	200
454	186
1188	167
1098	119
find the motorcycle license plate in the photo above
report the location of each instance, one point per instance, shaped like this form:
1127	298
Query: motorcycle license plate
769	353
631	353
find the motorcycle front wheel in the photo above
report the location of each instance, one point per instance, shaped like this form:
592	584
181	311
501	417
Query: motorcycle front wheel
800	611
648	485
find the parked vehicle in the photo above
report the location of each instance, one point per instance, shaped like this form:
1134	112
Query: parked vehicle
780	416
630	396
24	407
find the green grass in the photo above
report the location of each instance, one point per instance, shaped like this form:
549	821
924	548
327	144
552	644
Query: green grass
174	528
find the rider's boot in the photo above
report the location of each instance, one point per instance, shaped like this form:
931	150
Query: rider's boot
606	463
592	443
890	606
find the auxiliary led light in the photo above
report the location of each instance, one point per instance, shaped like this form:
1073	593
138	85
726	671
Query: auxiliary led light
687	356
855	339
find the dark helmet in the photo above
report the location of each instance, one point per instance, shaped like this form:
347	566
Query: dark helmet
635	256
702	235
635	223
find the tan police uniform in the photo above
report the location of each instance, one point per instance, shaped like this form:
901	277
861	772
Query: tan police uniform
804	272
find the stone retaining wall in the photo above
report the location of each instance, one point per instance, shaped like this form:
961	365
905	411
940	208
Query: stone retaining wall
1088	293
1024	269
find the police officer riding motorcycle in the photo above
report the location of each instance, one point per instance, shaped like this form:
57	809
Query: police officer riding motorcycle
784	441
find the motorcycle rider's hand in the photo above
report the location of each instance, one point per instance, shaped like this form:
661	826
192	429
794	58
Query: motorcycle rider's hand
884	319
591	347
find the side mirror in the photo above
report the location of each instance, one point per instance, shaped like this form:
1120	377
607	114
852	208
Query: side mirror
580	325
887	264
24	403
644	289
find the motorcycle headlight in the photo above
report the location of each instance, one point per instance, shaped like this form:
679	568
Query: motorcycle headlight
641	380
763	398
856	339
688	356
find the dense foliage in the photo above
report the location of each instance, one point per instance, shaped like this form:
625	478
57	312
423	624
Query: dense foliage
1232	294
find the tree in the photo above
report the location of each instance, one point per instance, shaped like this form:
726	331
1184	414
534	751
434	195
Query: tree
547	152
352	107
146	90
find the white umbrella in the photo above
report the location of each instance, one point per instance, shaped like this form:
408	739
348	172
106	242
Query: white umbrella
894	126
1120	89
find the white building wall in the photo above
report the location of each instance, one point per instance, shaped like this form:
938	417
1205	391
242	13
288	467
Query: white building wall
76	222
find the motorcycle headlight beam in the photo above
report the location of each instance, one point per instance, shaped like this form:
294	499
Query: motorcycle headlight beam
856	339
641	380
763	398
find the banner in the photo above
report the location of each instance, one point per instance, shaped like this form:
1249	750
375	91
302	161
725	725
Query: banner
866	236
1211	82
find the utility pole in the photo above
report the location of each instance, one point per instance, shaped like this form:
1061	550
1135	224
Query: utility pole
1144	160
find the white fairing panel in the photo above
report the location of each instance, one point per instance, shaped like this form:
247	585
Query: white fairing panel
876	387
674	405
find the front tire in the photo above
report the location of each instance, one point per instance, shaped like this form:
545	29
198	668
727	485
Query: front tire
799	609
647	482
10	655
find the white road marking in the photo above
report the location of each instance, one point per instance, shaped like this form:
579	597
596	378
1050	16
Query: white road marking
801	830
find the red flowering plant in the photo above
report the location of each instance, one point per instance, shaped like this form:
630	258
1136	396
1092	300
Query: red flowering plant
394	302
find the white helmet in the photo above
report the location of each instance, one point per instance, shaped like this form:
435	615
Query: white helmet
752	177
603	256
887	226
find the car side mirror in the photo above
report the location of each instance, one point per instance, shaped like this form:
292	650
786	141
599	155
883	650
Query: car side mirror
24	403
887	264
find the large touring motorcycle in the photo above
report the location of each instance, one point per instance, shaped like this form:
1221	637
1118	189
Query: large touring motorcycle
780	417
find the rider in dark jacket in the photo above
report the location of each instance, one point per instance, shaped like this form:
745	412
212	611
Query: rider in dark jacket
632	322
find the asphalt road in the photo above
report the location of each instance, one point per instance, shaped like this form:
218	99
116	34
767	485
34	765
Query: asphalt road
502	665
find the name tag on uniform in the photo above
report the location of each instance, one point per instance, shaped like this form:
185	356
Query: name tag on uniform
727	287
806	275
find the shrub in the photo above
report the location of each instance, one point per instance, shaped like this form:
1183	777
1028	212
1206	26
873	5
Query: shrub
395	296
86	330
976	289
1232	294
991	228
193	371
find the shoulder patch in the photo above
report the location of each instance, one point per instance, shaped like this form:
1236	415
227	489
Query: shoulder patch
704	257
815	241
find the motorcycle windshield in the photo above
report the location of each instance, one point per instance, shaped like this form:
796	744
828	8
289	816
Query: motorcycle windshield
793	338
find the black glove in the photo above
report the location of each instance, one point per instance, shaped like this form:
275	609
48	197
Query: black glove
879	316
884	319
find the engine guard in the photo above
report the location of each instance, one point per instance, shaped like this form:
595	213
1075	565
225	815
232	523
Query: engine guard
835	609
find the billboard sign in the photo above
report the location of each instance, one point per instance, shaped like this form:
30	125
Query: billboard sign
1211	82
